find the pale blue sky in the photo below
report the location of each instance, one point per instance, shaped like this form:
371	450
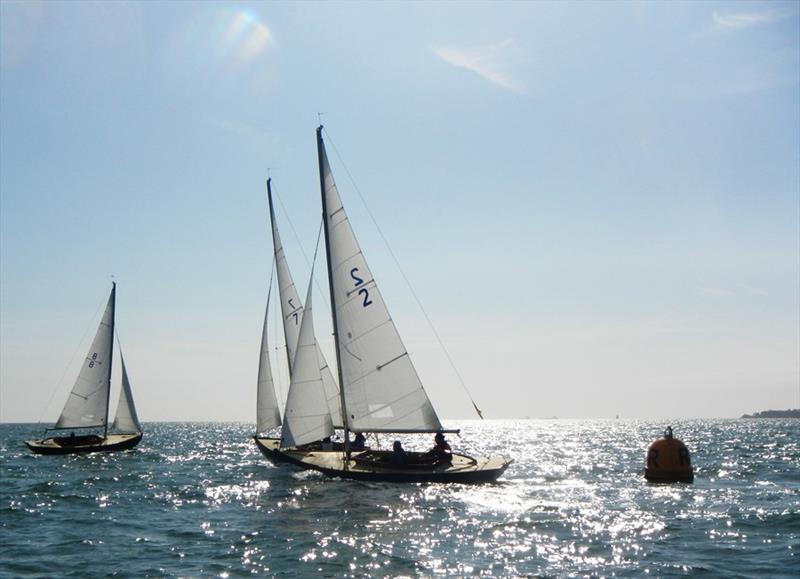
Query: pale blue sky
598	204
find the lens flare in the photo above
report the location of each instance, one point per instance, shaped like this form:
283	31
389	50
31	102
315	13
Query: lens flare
225	37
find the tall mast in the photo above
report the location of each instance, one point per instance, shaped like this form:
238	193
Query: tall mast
111	354
330	287
275	251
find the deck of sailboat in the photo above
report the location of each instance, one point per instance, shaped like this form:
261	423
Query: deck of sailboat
84	444
371	465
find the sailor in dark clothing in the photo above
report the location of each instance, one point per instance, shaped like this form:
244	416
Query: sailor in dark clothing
358	443
441	449
398	456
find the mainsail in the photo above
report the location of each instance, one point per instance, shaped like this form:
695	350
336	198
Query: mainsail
87	405
267	413
381	388
292	310
307	416
126	419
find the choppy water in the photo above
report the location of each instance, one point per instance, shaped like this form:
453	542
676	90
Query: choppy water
199	500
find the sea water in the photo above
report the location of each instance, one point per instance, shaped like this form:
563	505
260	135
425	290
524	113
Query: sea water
197	499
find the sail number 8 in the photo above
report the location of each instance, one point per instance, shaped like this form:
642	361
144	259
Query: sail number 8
92	361
363	291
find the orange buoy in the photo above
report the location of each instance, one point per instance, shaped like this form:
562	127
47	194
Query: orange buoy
668	460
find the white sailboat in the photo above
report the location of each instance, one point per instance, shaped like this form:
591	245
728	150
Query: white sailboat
312	407
380	389
88	403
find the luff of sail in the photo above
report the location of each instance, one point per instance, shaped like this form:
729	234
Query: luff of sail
307	417
126	419
381	387
291	307
292	311
87	405
268	414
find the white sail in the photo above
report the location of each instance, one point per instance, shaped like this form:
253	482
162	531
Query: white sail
267	412
332	395
87	404
291	306
307	417
126	419
381	387
292	311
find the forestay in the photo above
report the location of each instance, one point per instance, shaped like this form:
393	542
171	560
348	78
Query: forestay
292	311
87	405
381	387
268	414
126	419
307	417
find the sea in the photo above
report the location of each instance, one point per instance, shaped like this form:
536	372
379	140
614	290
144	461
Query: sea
199	500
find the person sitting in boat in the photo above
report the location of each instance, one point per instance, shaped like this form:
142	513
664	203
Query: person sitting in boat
359	443
327	445
441	449
398	456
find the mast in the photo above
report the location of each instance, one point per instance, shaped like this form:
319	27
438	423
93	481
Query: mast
333	302
275	252
111	354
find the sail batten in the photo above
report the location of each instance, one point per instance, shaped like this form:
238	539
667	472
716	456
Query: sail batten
380	386
87	405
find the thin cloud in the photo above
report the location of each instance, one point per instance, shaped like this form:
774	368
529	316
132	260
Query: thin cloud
752	290
741	291
744	20
719	292
489	61
261	140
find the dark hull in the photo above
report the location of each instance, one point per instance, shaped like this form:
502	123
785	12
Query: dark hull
112	443
667	477
464	469
269	447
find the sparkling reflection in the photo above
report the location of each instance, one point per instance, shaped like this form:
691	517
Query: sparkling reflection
198	499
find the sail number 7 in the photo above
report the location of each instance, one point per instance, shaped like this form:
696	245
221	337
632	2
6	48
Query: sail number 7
363	291
294	312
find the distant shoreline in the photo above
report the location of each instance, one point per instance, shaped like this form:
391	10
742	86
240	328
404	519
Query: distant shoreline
793	413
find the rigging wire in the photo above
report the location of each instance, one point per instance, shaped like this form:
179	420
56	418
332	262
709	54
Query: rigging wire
69	364
408	283
316	247
310	265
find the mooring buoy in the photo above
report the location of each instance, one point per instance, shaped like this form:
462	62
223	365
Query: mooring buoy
668	460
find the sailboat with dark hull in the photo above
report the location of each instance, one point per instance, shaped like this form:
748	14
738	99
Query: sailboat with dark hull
379	389
321	399
88	403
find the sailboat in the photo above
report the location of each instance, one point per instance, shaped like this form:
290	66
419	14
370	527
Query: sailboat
380	391
88	402
320	400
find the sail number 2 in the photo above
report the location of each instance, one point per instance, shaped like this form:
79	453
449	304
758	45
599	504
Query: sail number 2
363	291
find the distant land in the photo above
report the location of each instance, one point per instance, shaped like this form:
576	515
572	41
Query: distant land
775	414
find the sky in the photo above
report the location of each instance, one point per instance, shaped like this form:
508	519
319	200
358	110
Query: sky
598	204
